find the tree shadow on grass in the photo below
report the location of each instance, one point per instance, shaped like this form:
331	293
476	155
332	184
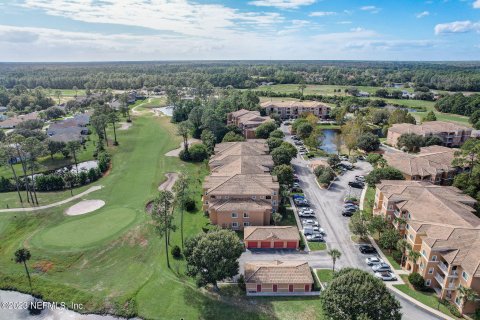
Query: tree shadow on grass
229	307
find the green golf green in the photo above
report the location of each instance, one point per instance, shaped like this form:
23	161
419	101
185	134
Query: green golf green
88	230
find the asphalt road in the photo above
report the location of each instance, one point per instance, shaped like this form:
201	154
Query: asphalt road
327	205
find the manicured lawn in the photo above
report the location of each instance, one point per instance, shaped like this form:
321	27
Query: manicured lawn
288	218
369	200
392	261
317	246
322	89
325	275
112	260
427	298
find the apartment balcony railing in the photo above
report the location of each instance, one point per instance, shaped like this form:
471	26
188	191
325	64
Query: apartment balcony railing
443	267
438	291
440	279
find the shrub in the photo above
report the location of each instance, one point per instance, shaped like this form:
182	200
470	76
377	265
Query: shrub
103	161
82	178
198	152
417	281
453	310
190	205
6	185
301	243
397	255
387	173
241	282
184	155
176	252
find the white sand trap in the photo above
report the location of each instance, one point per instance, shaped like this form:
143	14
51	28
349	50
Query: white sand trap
84	206
176	152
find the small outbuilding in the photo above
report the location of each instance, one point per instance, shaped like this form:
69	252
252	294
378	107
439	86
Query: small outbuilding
278	278
271	237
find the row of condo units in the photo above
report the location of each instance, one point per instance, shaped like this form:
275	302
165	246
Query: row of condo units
240	191
247	121
441	224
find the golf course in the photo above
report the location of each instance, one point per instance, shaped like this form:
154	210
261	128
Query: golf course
112	260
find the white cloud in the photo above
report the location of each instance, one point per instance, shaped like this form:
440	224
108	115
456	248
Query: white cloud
457	27
322	13
423	14
344	22
282	4
371	9
476	4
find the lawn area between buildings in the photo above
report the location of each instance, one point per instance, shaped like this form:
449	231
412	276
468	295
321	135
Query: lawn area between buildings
325	275
112	260
427	298
317	246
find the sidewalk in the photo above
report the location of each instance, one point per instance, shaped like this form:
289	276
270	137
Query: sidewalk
56	204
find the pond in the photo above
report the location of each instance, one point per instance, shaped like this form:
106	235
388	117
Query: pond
168	110
329	139
18	312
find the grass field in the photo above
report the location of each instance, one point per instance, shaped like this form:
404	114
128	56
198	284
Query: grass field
427	298
321	89
317	246
325	275
112	260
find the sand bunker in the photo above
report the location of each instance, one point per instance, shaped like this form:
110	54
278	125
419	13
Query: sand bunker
176	152
84	206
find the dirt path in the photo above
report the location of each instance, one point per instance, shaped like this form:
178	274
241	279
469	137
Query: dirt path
56	204
135	111
176	152
168	184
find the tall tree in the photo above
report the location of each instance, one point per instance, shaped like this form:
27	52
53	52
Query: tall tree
181	190
35	149
6	154
161	213
75	88
73	147
58	94
16	141
22	256
403	246
467	294
414	256
213	256
335	254
113	118
183	130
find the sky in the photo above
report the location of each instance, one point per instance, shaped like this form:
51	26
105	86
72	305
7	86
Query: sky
139	30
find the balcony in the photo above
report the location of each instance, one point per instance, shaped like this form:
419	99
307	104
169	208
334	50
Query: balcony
443	267
440	279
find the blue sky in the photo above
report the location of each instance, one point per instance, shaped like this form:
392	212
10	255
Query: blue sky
99	30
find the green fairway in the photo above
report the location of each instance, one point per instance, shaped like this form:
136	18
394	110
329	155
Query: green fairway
320	89
86	230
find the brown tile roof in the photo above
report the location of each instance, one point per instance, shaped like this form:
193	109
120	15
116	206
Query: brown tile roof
245	148
242	165
432	203
271	233
278	272
14	121
426	128
290	104
241	184
239	205
428	162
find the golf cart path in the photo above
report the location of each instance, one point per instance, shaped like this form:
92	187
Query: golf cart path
176	152
168	184
56	204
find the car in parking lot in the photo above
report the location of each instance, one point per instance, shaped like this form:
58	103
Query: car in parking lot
310	230
381	267
367	248
343	158
347	213
356	184
385	275
311	222
306	211
350	206
302	203
373	260
306	215
296	185
360	178
315	238
350	200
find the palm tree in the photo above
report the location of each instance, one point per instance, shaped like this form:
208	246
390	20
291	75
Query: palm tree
277	217
73	147
183	130
162	205
413	256
403	246
335	254
5	159
22	256
75	89
112	117
180	189
467	294
58	94
302	87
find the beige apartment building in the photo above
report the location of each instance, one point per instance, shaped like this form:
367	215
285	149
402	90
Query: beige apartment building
240	191
247	121
432	164
293	109
440	223
452	135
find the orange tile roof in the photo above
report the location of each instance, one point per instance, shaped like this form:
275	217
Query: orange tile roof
278	272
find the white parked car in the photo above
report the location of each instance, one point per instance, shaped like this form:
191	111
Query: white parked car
306	211
315	238
386	276
381	267
310	222
373	260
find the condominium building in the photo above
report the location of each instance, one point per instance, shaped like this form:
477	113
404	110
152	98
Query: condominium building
452	135
440	223
240	191
293	109
247	121
433	164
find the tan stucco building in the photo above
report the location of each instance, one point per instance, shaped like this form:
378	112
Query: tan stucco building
440	223
452	135
247	121
293	109
271	237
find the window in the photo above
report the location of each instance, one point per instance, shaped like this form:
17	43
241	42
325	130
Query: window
234	224
457	300
274	202
254	197
430	271
274	192
246	224
411	237
428	282
213	197
268	197
390	207
234	215
434	258
226	197
409	216
465	275
407	226
424	253
421	265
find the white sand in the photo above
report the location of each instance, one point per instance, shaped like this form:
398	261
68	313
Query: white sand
84	206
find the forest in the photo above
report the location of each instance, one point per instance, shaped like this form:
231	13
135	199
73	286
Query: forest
450	76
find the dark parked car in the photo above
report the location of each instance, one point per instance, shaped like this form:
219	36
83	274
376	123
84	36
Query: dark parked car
356	184
367	249
347	213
